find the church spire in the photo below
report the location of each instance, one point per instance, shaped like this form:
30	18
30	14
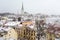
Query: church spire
22	9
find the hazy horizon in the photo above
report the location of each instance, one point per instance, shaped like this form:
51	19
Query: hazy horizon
31	6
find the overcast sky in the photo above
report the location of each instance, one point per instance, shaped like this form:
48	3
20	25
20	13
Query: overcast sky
31	6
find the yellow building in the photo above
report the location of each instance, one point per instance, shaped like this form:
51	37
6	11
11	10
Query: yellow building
11	34
27	23
26	33
50	34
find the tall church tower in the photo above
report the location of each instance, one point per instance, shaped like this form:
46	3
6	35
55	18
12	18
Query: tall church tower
22	10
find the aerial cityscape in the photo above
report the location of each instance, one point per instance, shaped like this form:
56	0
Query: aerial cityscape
24	25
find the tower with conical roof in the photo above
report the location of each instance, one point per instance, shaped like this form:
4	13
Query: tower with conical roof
22	9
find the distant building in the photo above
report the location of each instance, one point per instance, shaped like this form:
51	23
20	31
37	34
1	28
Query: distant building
8	33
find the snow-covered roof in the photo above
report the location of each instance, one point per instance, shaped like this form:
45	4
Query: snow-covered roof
57	25
1	38
32	27
2	22
12	23
20	25
4	28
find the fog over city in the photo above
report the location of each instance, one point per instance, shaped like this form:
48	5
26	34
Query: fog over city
31	6
29	19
